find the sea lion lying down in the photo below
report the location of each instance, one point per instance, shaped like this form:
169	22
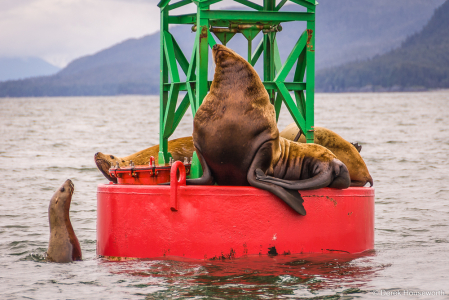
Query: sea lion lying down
237	141
179	148
347	152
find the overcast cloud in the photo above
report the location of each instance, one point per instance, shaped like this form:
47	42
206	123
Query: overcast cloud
59	31
62	30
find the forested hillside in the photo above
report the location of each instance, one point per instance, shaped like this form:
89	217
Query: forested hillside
421	62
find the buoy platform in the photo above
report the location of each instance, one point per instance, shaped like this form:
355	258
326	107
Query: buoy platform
222	222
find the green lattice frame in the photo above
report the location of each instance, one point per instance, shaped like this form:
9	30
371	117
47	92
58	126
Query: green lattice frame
196	84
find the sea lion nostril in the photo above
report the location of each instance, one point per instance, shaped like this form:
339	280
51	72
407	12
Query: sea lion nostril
96	154
111	156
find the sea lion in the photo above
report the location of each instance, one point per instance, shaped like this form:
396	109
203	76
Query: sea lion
347	152
179	148
237	140
63	246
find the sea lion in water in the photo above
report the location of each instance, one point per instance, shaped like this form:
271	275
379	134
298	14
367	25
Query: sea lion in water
347	152
179	148
63	246
237	141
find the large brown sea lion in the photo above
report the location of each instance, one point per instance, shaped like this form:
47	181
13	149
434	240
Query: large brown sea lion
179	148
345	151
63	246
237	141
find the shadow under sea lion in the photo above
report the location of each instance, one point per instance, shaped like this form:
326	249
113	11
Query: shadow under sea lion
179	148
63	246
237	141
345	151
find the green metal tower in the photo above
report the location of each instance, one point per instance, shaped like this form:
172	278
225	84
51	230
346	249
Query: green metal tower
224	24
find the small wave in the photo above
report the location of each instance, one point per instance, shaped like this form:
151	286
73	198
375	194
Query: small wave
36	257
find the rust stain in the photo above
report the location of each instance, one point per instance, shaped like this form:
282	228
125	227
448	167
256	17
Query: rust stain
287	252
203	32
332	199
223	256
349	213
309	35
272	251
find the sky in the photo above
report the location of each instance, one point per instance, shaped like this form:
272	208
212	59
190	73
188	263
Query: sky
59	31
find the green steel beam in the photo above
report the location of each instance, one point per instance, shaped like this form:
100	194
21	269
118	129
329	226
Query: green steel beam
277	58
170	110
279	6
291	86
257	53
278	104
292	58
206	4
291	106
268	49
170	56
310	74
163	142
202	57
180	112
300	67
179	4
182	19
180	57
162	4
258	16
300	102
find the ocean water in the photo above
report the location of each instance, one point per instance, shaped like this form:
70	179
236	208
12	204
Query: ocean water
44	141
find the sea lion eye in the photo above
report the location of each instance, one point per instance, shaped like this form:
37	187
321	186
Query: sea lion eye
62	189
111	156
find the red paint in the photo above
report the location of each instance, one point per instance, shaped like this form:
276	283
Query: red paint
147	221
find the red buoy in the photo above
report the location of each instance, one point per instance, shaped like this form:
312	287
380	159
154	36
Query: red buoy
218	222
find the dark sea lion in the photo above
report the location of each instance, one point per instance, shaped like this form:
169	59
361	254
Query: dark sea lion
347	152
235	135
179	148
63	246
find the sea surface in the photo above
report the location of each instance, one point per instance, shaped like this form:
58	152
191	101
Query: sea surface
44	141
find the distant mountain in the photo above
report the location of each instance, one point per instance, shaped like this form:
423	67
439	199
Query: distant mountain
422	62
12	68
346	30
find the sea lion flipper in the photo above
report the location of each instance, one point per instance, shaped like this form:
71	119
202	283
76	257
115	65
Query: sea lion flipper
357	146
206	178
321	180
291	197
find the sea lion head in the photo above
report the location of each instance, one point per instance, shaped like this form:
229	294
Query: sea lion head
225	57
60	203
105	161
236	79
